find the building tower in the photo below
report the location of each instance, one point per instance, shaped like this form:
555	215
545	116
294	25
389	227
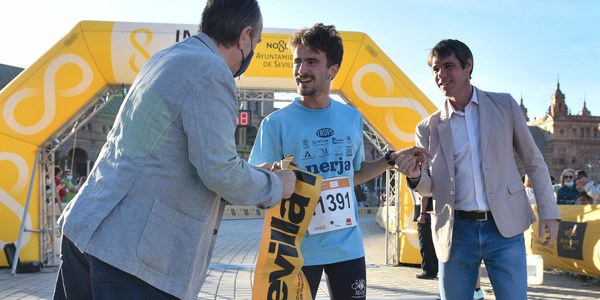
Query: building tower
585	111
558	107
524	109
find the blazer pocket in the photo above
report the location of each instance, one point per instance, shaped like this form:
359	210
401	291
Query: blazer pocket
170	240
515	188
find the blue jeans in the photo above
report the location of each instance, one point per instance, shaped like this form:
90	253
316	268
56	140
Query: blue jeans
82	276
504	258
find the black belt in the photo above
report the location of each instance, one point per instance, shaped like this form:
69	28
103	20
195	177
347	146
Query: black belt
475	215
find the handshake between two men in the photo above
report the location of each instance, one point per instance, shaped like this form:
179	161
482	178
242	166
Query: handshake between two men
408	161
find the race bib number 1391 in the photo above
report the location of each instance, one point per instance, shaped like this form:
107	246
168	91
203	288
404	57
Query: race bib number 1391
335	209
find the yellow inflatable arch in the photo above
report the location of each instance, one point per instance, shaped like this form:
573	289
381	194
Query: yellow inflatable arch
95	55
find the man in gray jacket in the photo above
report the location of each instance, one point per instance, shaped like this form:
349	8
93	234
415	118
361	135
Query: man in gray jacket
144	224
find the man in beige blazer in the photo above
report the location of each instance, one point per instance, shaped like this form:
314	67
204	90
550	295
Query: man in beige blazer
480	208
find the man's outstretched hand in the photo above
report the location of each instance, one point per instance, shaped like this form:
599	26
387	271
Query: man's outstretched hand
409	160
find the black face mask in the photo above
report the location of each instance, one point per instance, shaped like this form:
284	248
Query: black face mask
245	61
245	64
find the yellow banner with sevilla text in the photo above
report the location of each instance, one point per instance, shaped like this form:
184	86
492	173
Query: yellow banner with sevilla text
278	272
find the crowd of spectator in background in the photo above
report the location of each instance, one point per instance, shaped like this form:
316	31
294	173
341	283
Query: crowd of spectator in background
64	187
573	188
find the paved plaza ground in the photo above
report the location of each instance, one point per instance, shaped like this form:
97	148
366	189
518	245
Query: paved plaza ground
232	270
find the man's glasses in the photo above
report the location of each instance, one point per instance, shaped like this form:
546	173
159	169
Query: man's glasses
568	177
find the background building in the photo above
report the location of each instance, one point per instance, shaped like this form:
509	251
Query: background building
567	140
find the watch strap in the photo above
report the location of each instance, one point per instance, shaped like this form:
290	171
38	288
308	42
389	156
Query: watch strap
388	158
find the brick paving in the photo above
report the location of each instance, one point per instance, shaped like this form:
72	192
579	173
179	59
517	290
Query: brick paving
231	272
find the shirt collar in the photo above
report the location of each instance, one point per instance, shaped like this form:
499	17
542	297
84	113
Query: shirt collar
451	110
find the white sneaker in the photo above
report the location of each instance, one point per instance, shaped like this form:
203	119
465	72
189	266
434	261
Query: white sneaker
478	295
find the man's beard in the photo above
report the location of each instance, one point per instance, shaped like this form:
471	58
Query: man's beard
306	92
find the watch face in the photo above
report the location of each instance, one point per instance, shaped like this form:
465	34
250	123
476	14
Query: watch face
388	158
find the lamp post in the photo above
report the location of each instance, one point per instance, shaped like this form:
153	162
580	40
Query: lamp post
92	149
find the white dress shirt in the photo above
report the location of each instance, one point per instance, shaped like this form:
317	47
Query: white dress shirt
470	194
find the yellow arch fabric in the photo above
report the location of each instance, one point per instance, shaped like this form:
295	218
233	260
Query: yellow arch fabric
93	55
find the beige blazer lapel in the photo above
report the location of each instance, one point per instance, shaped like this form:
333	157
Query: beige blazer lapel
486	119
445	135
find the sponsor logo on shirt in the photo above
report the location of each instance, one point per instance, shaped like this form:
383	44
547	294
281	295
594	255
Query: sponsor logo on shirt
305	144
324	132
307	155
320	142
338	151
349	151
323	151
337	141
339	166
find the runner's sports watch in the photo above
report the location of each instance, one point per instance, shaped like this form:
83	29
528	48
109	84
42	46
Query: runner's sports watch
389	159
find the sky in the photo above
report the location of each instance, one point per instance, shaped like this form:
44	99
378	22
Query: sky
520	47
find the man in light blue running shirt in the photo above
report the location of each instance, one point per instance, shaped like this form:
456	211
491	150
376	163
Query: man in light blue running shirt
325	138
